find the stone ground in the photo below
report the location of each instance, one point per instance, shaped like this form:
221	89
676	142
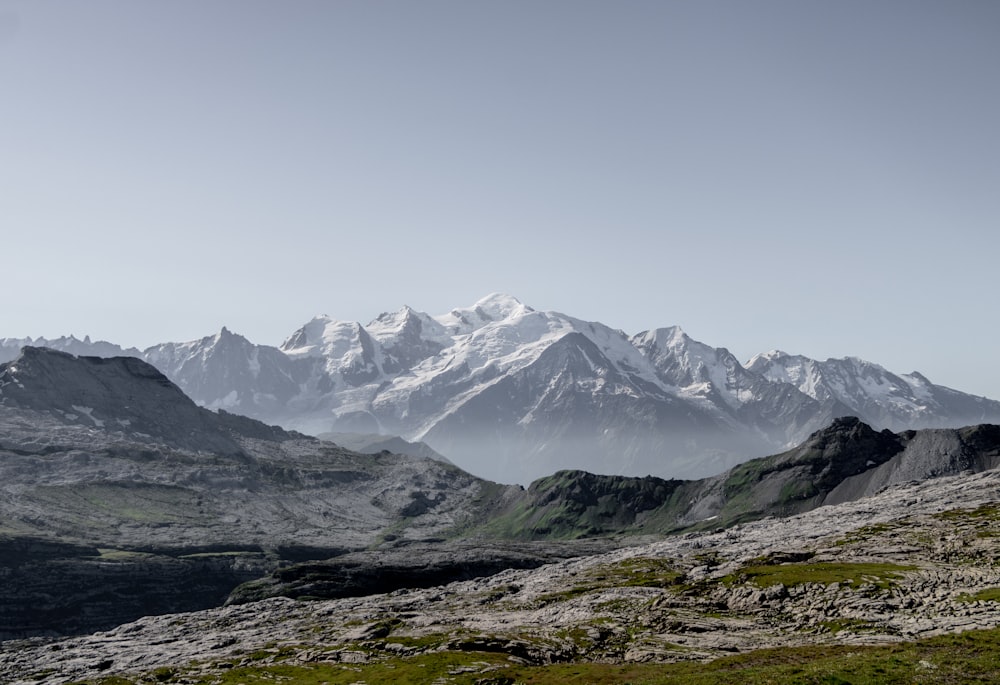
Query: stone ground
688	597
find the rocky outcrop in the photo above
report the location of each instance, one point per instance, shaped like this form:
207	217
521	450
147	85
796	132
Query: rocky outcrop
917	560
121	394
50	589
409	565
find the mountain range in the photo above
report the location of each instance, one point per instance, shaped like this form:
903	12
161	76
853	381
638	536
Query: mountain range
511	393
120	497
122	500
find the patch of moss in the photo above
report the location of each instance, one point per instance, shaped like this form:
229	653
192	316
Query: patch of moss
988	595
984	512
498	593
853	625
420	642
964	658
633	572
866	533
855	574
794	491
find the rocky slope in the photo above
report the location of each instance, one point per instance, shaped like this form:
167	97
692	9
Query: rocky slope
513	394
117	491
844	461
916	560
120	497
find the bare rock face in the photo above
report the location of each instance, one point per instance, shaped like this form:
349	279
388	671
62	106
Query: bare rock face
54	589
410	565
117	394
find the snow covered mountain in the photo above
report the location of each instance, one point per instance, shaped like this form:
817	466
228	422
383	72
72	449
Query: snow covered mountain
875	395
511	393
10	348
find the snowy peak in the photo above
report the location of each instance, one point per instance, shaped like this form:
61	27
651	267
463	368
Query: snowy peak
399	324
510	392
762	360
170	355
878	396
345	347
492	308
500	306
662	338
700	369
10	348
227	371
803	373
311	339
407	337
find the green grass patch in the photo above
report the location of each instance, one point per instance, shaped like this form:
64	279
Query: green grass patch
634	572
853	625
991	594
866	533
824	573
984	512
970	657
794	491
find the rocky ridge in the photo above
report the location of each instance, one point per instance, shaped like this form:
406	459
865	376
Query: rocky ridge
915	560
844	461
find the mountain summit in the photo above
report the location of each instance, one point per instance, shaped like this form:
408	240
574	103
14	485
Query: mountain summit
512	393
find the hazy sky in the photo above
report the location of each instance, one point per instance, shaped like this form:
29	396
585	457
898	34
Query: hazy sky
821	177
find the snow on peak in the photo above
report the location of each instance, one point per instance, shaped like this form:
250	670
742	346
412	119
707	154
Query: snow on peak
324	337
408	336
493	307
392	324
406	323
666	337
766	363
501	306
395	319
308	336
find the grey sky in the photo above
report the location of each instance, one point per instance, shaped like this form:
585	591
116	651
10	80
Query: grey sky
820	177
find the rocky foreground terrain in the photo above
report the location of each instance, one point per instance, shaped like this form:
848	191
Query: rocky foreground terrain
916	560
121	498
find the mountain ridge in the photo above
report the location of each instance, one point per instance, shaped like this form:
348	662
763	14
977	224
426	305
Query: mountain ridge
460	382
